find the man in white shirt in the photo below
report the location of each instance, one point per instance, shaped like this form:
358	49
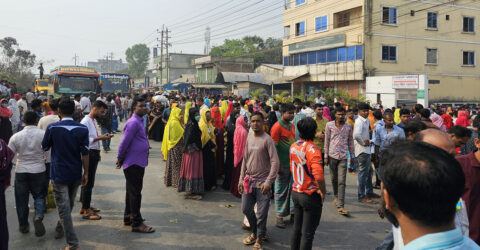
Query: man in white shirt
30	97
22	104
86	104
76	100
88	212
30	173
43	124
361	136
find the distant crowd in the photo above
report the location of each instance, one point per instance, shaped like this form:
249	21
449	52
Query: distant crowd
424	160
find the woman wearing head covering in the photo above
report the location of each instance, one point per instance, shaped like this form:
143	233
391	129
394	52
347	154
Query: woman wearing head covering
172	147
207	102
5	123
156	127
6	157
396	117
326	113
438	121
219	139
239	141
223	109
227	114
228	167
188	105
191	173
15	119
208	149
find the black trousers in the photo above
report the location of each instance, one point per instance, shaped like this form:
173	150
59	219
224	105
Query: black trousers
308	210
86	192
133	198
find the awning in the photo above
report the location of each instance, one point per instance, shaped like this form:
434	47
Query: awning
286	79
209	86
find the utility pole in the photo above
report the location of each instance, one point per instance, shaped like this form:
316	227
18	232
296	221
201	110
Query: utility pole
167	59
161	56
75	58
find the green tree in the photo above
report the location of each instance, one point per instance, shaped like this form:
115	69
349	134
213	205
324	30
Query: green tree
16	64
268	51
137	57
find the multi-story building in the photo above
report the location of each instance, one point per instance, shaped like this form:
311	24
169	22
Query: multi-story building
337	43
104	65
208	67
178	64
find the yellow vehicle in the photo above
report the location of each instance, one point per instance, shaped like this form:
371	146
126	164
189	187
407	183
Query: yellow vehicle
41	85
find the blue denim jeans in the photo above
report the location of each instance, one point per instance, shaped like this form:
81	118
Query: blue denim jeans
26	184
115	123
105	143
364	175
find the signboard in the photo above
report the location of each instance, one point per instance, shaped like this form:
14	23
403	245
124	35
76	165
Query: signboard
76	69
405	82
420	94
318	44
201	60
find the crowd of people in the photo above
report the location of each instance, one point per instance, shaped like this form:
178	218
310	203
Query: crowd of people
424	160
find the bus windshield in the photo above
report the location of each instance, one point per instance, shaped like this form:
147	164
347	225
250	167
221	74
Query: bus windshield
76	84
42	83
114	83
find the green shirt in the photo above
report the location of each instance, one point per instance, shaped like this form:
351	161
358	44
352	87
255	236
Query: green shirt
321	124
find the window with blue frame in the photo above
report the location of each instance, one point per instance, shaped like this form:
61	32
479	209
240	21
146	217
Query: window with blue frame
286	61
303	58
351	53
342	54
312	57
389	15
432	20
296	59
300	29
359	52
322	56
298	2
321	23
332	55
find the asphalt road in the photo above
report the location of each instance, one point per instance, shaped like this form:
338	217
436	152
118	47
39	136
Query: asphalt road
188	224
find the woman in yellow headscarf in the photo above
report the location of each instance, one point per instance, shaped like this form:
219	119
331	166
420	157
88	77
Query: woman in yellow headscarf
208	149
187	109
397	116
172	147
223	109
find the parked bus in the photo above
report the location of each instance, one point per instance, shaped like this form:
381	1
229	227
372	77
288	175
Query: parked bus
71	80
41	85
115	82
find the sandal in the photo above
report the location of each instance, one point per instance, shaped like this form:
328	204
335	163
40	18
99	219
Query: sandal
280	223
251	239
245	227
94	209
90	215
342	211
257	246
143	229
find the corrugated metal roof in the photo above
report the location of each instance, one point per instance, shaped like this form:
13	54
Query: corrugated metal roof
209	86
234	77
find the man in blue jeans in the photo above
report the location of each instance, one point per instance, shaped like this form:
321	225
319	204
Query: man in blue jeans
106	123
69	142
30	173
361	136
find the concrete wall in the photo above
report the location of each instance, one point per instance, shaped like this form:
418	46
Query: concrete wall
412	38
269	74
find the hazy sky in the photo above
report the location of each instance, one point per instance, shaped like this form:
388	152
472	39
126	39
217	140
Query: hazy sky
56	30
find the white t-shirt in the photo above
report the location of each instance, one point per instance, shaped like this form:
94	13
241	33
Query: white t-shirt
86	104
92	132
43	124
27	146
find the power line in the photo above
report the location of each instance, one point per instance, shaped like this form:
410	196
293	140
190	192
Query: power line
202	13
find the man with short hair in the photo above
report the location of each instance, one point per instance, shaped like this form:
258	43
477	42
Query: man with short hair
68	140
30	174
43	124
339	142
470	145
361	134
320	132
298	116
86	104
460	135
106	123
30	97
421	185
283	134
22	103
36	106
133	158
97	111
78	106
259	169
404	117
243	111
